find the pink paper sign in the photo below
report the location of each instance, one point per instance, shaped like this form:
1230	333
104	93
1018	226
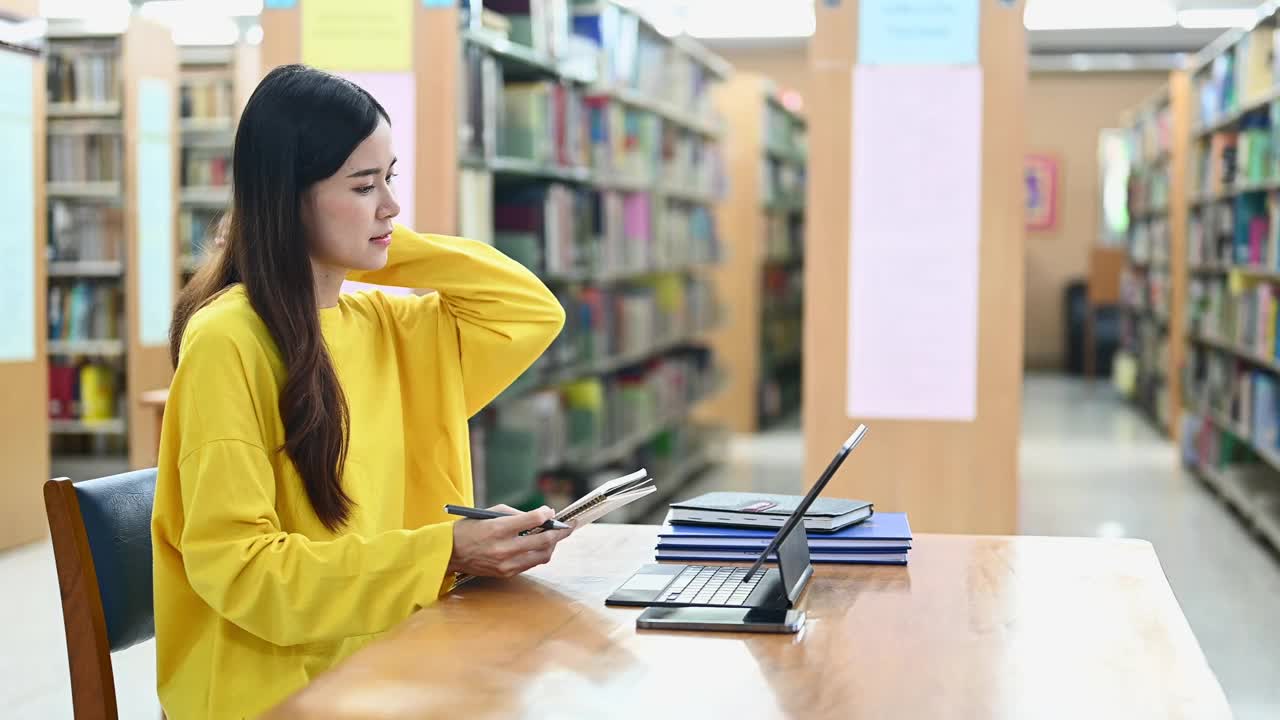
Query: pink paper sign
397	94
913	255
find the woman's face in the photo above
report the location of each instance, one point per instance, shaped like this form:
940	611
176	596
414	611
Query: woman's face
347	216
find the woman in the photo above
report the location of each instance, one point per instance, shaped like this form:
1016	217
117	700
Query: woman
312	438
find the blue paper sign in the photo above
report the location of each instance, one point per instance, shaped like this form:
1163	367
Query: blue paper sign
280	4
18	242
918	32
155	211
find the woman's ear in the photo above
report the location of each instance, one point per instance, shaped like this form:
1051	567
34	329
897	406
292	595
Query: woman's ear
220	232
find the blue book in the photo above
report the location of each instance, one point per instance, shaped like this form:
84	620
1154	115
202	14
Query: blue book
881	531
755	545
876	558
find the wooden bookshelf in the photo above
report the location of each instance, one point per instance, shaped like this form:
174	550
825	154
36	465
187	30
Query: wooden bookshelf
761	341
1154	284
952	475
24	415
215	82
132	67
463	172
1232	272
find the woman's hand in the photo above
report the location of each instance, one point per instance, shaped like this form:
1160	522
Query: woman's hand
495	548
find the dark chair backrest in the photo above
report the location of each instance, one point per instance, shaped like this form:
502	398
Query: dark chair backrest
101	533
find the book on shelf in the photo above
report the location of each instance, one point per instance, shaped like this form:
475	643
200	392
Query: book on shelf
475	205
206	96
543	226
590	422
197	228
88	157
206	167
85	310
539	24
626	142
1254	152
784	181
525	124
543	122
84	391
84	73
637	231
1244	317
84	231
615	32
1254	77
481	98
688	236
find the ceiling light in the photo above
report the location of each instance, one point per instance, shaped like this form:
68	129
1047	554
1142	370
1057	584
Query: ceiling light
1098	14
157	9
1218	18
85	9
723	19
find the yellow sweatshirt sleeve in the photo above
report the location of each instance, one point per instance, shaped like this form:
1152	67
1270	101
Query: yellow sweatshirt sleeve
505	316
283	587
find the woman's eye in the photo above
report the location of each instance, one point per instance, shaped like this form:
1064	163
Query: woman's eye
392	175
365	190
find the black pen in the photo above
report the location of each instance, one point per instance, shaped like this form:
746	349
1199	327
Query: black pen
478	514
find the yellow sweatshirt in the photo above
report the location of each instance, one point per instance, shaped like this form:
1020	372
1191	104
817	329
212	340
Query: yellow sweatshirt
253	596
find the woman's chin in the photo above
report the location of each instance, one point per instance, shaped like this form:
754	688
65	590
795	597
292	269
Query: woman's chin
375	259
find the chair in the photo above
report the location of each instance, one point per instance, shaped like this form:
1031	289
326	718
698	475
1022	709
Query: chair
101	533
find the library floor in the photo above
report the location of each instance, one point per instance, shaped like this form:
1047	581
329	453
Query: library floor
1090	466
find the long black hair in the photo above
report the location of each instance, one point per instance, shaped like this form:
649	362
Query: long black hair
298	128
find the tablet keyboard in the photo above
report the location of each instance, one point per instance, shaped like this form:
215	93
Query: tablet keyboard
711	585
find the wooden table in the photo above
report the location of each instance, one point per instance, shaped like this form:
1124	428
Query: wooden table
975	627
156	399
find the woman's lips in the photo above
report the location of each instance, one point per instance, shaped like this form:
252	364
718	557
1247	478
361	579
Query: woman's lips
383	240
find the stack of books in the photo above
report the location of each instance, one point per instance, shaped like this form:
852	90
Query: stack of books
879	539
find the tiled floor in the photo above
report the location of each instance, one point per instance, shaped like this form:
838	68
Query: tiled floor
1090	466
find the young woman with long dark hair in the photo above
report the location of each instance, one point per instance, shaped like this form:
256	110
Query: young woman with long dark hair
312	438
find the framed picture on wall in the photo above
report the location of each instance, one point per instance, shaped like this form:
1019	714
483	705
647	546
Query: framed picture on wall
1042	185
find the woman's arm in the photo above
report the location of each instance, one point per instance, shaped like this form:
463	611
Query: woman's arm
284	587
505	316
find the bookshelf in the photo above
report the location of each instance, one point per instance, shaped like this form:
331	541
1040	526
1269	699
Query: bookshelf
111	184
584	144
23	364
761	276
1229	428
1153	285
955	475
214	84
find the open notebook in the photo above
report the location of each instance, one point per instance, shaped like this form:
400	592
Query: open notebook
598	503
606	498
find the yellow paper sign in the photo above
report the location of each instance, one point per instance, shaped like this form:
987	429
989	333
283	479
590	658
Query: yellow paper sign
365	36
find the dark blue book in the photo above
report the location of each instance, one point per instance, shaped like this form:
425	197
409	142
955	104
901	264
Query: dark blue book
882	531
720	556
